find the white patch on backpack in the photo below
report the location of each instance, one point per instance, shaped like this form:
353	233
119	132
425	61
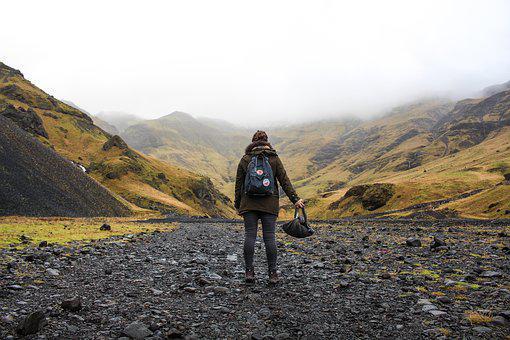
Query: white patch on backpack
260	172
265	182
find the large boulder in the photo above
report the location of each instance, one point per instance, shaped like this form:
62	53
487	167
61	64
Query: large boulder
28	120
32	323
115	141
357	190
372	196
377	195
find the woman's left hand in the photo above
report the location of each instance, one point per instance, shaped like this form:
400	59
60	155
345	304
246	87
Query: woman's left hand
300	204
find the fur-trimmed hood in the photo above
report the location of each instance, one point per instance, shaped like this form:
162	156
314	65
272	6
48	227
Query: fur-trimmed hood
259	146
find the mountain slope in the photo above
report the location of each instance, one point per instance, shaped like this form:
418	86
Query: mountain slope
35	180
111	129
432	150
207	147
426	151
298	144
141	180
465	151
117	119
361	150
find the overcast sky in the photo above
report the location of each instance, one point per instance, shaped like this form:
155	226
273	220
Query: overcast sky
253	61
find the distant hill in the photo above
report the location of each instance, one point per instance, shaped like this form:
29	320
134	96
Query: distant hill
35	180
111	129
492	90
143	181
118	119
431	150
209	147
388	144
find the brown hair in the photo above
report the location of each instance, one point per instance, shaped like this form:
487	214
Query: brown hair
259	136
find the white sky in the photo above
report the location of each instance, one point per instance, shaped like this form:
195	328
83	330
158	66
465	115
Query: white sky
253	61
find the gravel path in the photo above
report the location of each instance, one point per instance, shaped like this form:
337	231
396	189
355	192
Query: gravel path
357	280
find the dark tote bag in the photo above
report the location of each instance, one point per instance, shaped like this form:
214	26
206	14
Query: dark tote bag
298	227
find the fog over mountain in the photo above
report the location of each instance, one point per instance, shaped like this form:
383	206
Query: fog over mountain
258	62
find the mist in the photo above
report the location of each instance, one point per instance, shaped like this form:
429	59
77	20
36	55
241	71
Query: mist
257	62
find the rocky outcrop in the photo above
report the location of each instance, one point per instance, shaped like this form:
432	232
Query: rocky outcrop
472	121
28	120
7	71
205	191
115	141
413	160
372	196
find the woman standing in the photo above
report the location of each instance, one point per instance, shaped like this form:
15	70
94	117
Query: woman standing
263	207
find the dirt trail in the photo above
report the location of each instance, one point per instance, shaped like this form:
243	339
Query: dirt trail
349	281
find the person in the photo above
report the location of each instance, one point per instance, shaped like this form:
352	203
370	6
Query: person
263	208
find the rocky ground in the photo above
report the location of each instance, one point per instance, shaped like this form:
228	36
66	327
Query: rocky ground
351	280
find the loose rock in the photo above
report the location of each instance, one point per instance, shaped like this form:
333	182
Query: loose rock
71	305
52	272
32	323
413	242
105	227
137	331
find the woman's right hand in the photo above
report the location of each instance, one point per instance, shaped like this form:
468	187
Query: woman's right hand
300	204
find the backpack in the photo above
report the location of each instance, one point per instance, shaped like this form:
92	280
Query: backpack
259	180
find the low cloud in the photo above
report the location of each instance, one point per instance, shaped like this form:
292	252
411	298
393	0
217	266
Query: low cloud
258	61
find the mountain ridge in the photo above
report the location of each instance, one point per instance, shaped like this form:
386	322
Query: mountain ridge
146	183
326	158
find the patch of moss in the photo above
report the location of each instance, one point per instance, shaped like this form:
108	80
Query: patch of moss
62	231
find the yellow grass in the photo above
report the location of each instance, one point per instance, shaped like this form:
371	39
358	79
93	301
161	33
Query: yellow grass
64	230
477	318
146	190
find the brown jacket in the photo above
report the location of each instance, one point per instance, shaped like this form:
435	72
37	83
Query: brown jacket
268	204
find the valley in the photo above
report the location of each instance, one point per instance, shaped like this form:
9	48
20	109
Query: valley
145	148
428	150
433	157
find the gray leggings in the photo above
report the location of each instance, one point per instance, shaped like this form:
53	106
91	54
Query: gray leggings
251	219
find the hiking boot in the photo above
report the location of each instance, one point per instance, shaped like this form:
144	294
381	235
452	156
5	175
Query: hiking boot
249	276
273	277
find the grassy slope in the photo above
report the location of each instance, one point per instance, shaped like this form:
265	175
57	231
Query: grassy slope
419	147
64	230
298	144
213	148
326	158
372	149
477	167
72	134
201	146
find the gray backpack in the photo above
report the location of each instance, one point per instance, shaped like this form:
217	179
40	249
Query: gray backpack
259	180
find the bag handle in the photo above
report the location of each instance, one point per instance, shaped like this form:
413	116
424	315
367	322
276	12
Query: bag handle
296	214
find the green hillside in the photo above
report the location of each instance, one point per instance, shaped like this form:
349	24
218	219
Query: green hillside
460	151
429	150
204	146
145	182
